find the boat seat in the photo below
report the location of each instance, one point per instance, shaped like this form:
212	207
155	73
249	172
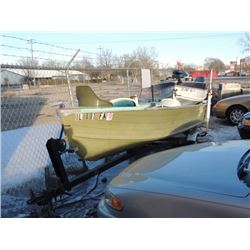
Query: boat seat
123	102
87	98
170	102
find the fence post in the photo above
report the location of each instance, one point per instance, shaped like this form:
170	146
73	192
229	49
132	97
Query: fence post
210	90
67	75
128	83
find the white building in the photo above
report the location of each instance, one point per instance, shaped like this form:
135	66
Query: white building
17	77
10	78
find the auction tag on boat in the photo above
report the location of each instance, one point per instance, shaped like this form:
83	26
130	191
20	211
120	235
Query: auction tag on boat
109	116
106	116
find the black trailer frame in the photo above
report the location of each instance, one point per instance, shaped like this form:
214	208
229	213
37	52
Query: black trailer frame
56	147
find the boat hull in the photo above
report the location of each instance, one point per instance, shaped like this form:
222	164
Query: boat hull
100	132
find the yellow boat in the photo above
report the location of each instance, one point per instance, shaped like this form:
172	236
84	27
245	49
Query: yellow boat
98	128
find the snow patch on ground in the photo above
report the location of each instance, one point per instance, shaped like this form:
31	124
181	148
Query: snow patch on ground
224	134
221	130
24	154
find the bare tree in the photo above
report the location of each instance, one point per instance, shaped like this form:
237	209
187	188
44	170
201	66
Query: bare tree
106	59
214	63
118	64
106	63
50	63
28	64
189	67
165	71
141	58
146	57
131	63
247	59
245	43
85	65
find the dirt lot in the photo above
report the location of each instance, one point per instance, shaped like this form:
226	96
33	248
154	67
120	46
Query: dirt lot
36	106
24	108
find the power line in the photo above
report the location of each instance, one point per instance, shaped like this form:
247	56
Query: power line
14	37
162	39
36	58
60	47
55	46
40	51
47	44
14	47
123	41
29	57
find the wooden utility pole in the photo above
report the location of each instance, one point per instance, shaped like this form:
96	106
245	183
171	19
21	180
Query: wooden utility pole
100	60
32	52
100	54
32	60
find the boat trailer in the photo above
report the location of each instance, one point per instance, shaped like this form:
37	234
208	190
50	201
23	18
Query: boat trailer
59	184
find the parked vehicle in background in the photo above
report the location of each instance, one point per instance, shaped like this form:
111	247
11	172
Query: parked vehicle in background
201	180
243	73
221	74
244	126
181	75
230	74
232	108
204	73
200	79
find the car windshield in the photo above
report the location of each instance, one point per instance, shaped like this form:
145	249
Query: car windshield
244	168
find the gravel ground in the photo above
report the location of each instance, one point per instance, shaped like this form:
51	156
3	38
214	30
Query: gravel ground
85	197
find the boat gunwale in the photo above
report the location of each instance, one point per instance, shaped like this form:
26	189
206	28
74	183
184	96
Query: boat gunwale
123	109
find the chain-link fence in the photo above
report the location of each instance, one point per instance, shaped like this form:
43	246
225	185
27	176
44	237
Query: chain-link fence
30	98
36	79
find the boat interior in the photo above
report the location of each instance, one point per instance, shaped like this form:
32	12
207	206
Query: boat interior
87	98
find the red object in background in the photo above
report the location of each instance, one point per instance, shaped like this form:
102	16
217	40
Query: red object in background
204	73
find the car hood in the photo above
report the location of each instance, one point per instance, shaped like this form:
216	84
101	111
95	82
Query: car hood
207	167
